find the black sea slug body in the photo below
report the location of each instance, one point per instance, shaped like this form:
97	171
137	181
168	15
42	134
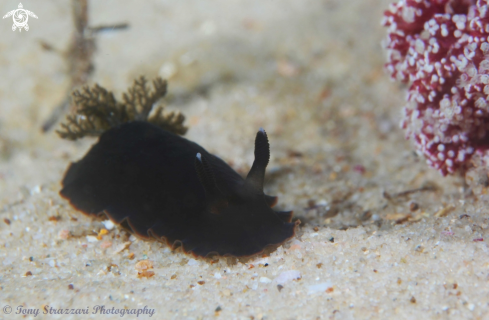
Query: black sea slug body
160	185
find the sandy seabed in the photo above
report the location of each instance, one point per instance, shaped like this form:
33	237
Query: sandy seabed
310	73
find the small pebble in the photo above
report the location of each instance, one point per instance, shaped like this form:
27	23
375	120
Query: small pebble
122	247
143	267
106	244
70	287
413	206
226	292
36	190
109	225
444	211
287	276
146	274
193	262
102	233
295	247
265	280
320	287
92	239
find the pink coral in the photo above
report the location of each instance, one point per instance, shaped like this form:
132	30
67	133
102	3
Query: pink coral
440	48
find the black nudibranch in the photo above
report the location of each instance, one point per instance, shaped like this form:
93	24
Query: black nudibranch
159	185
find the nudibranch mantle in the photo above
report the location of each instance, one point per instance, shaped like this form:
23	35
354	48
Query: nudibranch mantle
160	185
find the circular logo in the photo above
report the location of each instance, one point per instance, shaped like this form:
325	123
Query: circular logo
7	309
20	18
